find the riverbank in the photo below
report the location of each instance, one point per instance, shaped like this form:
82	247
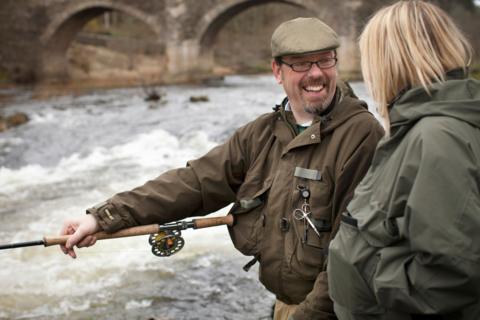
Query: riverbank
11	92
14	92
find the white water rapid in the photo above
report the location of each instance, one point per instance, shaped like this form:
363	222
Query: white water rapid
77	151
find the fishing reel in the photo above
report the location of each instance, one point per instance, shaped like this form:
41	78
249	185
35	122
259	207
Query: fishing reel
166	242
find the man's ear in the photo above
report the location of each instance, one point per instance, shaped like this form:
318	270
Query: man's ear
277	72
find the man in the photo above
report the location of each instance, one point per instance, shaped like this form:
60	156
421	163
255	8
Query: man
289	173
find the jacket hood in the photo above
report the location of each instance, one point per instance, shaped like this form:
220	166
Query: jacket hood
456	97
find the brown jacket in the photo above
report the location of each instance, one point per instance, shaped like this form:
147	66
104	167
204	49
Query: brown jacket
261	168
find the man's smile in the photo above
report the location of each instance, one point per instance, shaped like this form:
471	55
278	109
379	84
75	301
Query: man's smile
314	88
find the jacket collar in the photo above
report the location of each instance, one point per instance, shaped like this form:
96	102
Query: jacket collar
456	97
344	106
455	74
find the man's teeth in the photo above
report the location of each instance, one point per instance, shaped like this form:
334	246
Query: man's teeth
314	88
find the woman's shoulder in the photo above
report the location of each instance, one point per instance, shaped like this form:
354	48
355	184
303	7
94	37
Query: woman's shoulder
440	137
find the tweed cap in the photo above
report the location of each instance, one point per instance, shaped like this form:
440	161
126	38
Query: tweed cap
302	36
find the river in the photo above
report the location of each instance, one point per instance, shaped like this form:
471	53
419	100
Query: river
79	150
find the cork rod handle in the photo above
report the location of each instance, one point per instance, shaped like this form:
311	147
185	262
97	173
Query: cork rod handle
129	232
212	222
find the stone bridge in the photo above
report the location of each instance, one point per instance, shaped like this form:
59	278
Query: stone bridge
35	35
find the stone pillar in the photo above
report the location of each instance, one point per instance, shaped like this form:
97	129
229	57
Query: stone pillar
184	56
185	61
52	67
349	56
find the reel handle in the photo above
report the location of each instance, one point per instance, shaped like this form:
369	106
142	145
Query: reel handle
129	232
212	222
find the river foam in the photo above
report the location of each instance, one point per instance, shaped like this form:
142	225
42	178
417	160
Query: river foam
78	151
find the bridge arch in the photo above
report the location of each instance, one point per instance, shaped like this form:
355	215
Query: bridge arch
213	21
61	31
338	17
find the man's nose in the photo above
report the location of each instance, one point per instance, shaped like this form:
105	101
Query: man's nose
315	71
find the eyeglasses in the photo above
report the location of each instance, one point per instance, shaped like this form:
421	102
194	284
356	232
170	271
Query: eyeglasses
307	65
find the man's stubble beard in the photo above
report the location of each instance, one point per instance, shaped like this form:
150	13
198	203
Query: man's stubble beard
322	105
318	108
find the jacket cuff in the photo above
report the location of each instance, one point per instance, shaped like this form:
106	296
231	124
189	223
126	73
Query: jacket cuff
110	218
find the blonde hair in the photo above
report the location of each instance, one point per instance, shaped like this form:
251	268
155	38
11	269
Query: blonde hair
407	44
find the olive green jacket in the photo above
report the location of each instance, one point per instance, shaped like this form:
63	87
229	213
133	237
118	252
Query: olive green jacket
412	243
260	169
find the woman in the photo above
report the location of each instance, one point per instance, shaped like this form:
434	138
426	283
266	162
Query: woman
409	245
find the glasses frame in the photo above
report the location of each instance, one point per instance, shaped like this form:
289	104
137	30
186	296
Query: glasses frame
294	65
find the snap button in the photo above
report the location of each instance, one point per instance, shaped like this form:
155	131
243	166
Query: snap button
313	136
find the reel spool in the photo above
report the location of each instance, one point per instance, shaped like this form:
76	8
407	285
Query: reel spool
167	242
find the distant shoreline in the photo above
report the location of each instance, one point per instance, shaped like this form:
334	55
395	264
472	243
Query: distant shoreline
47	90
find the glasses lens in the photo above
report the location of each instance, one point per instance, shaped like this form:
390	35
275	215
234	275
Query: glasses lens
306	65
302	66
326	63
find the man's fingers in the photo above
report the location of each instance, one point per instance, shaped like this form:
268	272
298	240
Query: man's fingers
69	227
64	249
81	231
87	241
72	253
74	239
93	241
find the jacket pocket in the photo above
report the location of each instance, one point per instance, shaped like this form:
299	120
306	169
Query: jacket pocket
246	233
352	263
307	261
312	235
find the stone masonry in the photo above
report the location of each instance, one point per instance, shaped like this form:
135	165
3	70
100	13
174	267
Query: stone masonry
35	35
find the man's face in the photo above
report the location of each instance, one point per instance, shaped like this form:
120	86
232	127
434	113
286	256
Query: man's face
310	91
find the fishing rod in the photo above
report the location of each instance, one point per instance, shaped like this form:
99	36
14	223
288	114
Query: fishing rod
165	239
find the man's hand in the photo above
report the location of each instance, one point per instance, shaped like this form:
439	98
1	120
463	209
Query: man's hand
82	229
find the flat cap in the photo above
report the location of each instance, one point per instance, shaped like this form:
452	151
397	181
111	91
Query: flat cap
302	36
